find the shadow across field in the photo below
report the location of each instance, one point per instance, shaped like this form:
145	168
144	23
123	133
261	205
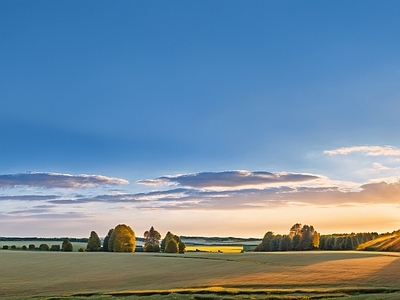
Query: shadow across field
291	275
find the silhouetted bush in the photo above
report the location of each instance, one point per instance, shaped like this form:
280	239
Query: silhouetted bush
24	248
13	247
44	247
181	247
66	245
55	248
32	247
5	247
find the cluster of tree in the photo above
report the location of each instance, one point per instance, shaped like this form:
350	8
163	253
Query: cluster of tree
345	241
300	238
152	240
172	243
122	239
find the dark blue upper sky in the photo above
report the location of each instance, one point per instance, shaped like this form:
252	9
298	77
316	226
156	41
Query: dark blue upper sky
141	89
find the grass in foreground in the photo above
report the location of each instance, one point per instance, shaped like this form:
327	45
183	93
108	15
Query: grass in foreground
291	275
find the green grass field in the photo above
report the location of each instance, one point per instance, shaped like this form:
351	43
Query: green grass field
198	275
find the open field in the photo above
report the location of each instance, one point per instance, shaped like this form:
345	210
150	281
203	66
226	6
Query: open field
197	275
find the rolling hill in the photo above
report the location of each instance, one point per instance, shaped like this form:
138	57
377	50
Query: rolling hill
384	242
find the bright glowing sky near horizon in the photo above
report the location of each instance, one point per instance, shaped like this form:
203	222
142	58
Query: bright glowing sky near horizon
213	118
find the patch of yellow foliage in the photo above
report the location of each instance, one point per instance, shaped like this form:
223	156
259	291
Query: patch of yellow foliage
222	249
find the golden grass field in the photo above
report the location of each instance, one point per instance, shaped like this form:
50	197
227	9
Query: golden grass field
197	275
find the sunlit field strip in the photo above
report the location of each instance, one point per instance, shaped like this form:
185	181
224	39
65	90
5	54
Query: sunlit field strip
223	249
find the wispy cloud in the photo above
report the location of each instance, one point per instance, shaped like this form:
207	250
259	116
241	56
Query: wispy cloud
235	190
200	199
57	180
229	179
29	198
368	150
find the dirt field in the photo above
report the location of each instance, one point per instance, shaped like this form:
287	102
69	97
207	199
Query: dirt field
26	274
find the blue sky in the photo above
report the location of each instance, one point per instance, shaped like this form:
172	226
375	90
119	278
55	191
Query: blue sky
199	117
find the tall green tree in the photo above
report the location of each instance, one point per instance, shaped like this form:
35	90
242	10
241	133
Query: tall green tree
274	243
307	237
265	244
296	242
94	243
285	243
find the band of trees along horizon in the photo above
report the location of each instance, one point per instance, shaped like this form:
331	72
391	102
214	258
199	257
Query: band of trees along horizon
122	239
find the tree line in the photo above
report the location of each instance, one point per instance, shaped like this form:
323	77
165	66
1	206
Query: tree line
305	237
118	239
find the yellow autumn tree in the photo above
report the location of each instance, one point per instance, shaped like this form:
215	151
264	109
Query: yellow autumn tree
122	239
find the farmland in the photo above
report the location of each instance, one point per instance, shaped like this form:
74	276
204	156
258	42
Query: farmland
290	275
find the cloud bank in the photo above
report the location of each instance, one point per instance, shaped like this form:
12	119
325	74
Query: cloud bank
200	199
57	180
229	179
237	190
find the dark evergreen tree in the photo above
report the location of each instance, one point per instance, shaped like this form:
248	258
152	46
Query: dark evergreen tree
274	243
94	243
106	239
322	241
307	237
348	243
296	243
285	243
266	241
66	245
